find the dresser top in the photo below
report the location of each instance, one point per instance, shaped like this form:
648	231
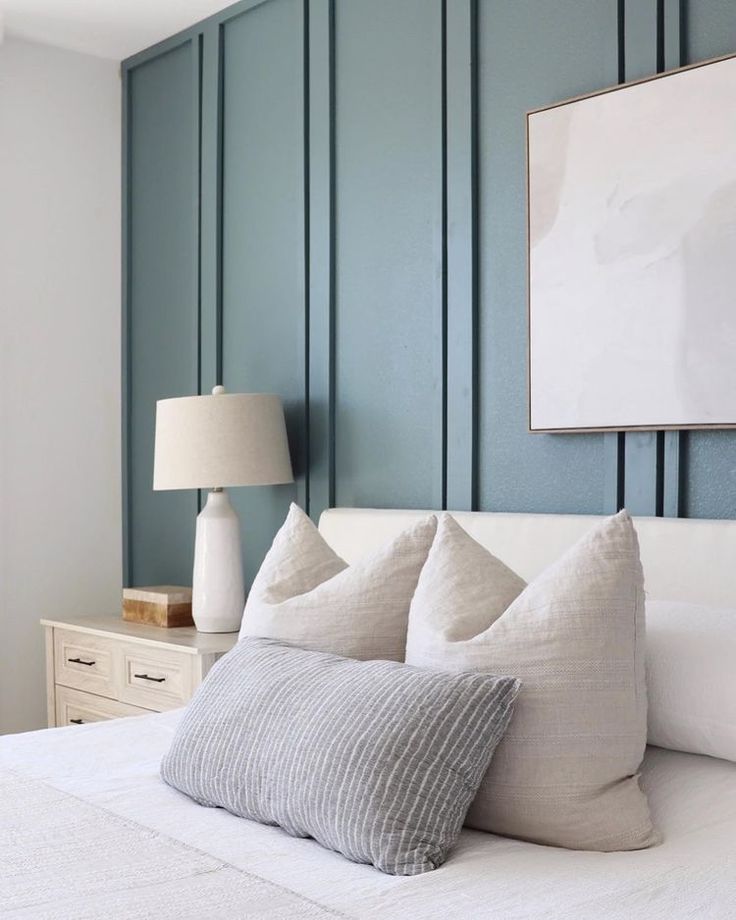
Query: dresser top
184	638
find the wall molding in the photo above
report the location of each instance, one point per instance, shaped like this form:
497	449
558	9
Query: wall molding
645	475
125	320
643	470
210	207
320	263
460	231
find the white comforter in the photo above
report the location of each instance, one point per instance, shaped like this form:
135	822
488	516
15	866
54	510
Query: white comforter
114	765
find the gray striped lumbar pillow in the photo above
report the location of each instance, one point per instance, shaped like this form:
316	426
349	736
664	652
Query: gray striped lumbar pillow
377	760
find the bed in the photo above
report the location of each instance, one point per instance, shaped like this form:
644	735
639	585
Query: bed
87	828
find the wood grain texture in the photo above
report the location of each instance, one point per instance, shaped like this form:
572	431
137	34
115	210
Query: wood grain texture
85	662
165	616
75	707
165	606
48	636
185	638
105	667
154	678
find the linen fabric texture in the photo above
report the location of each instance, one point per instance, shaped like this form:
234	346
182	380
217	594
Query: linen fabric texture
377	760
306	595
691	678
565	774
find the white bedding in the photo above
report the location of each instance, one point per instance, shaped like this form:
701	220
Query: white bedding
691	875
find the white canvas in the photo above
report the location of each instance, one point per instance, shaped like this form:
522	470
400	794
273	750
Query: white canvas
632	234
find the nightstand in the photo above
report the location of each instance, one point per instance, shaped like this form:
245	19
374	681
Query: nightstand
103	667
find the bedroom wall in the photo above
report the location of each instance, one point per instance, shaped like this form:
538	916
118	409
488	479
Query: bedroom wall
60	519
326	198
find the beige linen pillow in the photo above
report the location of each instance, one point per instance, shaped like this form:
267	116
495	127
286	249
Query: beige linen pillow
565	772
305	594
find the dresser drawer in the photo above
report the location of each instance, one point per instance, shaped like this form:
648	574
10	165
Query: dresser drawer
155	678
75	707
104	667
85	662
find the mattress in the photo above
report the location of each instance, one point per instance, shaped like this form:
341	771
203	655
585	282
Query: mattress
114	766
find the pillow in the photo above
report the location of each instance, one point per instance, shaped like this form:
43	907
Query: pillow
306	595
565	773
691	677
376	760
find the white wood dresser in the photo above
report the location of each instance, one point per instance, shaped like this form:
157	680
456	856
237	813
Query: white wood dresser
103	667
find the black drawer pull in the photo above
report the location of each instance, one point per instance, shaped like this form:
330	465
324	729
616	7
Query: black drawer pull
81	661
158	680
77	721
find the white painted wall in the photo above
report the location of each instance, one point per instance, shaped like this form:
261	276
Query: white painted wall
60	506
110	28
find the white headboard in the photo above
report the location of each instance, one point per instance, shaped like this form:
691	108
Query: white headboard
685	560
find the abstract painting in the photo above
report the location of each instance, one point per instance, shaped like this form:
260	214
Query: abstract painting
632	256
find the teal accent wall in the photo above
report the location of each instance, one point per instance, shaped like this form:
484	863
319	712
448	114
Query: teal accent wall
161	272
264	238
326	199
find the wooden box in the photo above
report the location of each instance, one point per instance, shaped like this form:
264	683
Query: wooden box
158	605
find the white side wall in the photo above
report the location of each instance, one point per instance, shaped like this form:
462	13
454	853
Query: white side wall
60	517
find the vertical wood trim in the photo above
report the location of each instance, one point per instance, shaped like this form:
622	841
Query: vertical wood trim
673	40
684	36
673	45
621	39
615	463
671	484
196	49
660	36
641	467
640	38
125	328
220	198
461	184
438	322
642	450
48	632
196	53
210	219
306	449
444	246
614	443
301	479
332	356
320	156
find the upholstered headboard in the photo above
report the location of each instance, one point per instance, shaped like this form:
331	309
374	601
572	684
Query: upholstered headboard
686	560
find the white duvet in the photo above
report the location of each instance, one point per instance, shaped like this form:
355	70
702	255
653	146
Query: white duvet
114	765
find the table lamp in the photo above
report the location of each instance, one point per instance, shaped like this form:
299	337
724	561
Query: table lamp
213	442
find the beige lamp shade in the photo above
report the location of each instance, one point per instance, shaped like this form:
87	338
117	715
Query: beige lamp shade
227	439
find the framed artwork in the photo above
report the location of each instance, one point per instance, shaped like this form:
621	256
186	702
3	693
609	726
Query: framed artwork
632	255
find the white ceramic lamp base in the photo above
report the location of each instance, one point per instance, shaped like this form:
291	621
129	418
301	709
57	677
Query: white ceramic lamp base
218	593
